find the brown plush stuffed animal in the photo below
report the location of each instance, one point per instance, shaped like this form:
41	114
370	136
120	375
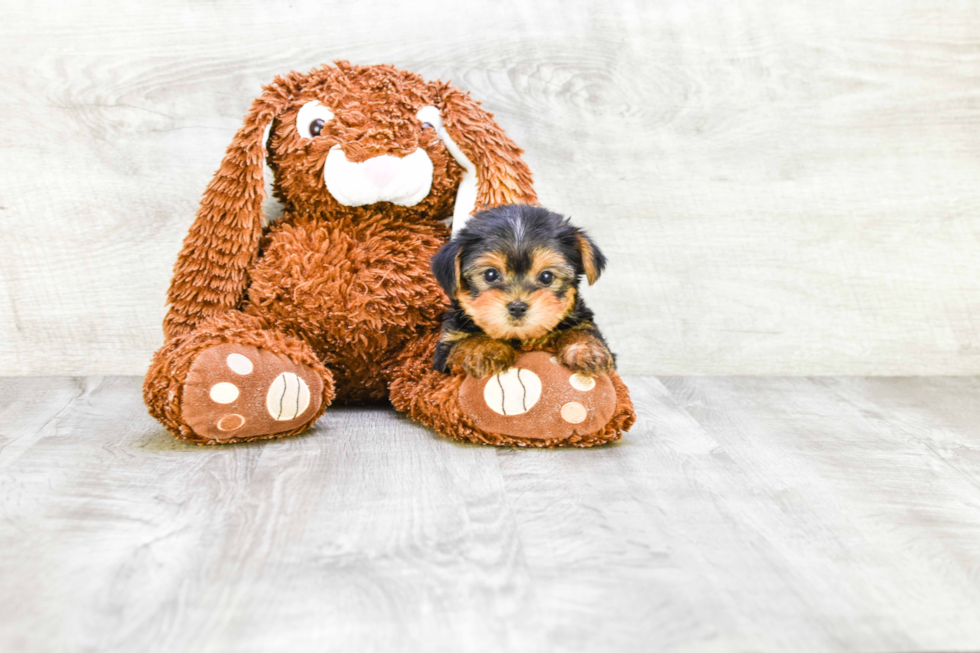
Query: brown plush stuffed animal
334	301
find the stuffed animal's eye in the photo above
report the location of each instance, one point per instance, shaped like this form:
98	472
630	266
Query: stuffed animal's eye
545	278
311	119
426	125
491	275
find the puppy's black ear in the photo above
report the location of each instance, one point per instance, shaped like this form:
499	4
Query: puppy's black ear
593	261
445	267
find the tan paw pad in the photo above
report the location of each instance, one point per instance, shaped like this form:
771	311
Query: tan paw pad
538	399
223	393
574	413
239	364
237	391
512	392
231	422
581	382
287	398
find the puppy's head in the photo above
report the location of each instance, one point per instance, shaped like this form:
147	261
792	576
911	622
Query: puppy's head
515	270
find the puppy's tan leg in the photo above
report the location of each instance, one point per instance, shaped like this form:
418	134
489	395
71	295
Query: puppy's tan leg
481	356
584	353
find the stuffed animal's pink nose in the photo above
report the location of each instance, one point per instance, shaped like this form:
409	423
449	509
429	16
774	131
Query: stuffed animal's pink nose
381	170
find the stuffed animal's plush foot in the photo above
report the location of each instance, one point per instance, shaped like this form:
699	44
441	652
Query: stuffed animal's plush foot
539	399
240	392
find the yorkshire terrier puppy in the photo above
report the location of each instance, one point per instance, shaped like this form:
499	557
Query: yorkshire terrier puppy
512	275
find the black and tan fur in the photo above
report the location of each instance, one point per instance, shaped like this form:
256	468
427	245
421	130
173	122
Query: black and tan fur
512	276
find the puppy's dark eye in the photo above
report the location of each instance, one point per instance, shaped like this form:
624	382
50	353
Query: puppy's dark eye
316	127
426	125
545	278
491	275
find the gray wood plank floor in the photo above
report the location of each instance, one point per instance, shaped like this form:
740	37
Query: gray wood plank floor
824	514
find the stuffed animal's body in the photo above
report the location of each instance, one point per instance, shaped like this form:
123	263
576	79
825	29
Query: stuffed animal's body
334	301
355	286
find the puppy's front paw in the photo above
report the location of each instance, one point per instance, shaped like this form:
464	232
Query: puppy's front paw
480	357
587	356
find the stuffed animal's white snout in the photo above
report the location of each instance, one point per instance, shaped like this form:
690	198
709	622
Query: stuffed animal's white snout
381	170
404	181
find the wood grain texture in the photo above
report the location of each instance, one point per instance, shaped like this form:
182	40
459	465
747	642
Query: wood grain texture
741	514
782	188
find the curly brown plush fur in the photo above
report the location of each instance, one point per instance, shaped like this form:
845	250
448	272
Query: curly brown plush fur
345	291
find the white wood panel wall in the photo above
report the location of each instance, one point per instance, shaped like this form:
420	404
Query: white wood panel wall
786	188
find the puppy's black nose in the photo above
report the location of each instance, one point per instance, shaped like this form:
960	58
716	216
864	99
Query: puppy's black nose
517	309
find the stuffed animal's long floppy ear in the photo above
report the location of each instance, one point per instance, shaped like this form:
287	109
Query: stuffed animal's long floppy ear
494	172
446	267
211	271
